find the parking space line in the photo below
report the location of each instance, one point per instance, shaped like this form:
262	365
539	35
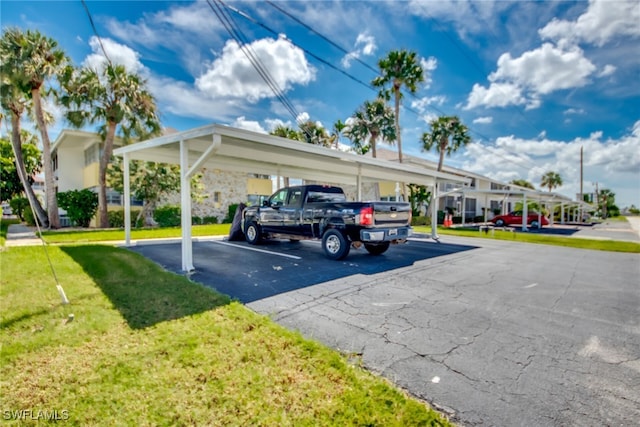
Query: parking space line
257	250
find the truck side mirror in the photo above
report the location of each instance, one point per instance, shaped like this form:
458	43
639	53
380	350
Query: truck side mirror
265	203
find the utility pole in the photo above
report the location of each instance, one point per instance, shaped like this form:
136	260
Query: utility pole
581	175
581	178
597	197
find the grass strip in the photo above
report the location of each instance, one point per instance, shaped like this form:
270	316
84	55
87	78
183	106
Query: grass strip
100	235
4	226
545	239
150	348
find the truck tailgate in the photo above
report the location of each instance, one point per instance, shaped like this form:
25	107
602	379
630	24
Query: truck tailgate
389	214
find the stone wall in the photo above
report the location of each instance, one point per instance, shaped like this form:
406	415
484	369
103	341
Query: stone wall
232	187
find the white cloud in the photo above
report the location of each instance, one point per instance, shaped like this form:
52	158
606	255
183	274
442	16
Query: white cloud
423	103
483	120
233	75
537	72
365	45
496	95
252	125
468	16
182	99
613	163
428	66
602	22
607	70
117	54
579	111
545	70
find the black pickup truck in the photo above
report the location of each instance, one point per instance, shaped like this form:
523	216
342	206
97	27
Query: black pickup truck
323	212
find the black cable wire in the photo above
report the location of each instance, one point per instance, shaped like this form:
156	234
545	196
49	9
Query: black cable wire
95	31
322	36
237	35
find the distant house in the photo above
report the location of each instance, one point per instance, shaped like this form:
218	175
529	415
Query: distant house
76	155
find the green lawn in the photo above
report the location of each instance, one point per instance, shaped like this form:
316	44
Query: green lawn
99	235
545	239
4	226
147	347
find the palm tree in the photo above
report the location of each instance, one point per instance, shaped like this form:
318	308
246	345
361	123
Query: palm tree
39	59
372	120
312	133
113	98
447	135
606	201
522	183
398	69
14	102
285	132
551	180
336	132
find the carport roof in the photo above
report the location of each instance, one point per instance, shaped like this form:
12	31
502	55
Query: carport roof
221	147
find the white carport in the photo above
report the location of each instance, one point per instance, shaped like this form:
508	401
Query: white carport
230	149
526	195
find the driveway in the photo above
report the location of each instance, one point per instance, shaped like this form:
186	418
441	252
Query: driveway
491	332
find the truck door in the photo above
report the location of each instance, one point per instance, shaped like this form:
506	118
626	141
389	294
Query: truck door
292	210
271	216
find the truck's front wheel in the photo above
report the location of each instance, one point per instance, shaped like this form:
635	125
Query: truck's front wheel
335	245
253	233
376	248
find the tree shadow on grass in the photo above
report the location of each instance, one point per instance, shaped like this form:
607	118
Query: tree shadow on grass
139	289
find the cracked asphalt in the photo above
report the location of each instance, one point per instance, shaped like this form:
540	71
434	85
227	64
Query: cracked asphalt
493	333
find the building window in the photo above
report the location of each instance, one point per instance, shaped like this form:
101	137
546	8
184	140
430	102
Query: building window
217	197
495	186
92	154
114	198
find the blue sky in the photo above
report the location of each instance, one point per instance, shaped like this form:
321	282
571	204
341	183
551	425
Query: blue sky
533	80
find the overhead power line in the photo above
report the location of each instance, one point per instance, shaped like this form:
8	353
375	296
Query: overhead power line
95	32
322	36
237	35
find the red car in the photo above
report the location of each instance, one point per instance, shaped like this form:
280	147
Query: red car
515	218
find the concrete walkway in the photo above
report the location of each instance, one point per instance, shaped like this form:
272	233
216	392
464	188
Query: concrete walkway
21	235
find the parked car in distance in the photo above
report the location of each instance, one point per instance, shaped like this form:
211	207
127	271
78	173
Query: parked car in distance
534	219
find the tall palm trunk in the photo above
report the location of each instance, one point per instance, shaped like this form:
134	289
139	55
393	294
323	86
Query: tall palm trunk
103	214
443	147
16	144
373	141
397	111
49	179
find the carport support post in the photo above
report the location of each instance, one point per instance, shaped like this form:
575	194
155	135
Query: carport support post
562	213
185	207
434	212
127	200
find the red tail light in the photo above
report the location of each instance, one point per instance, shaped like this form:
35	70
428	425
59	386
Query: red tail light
366	215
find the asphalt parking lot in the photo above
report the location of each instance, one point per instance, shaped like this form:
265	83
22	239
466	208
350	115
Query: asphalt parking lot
491	332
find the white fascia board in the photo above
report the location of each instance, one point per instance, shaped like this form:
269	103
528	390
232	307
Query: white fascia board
167	139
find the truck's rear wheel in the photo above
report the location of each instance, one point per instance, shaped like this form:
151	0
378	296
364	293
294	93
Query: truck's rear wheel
376	248
335	245
252	233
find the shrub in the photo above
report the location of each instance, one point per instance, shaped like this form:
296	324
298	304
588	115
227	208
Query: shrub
167	216
210	220
18	206
81	205
230	214
116	219
29	217
420	220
